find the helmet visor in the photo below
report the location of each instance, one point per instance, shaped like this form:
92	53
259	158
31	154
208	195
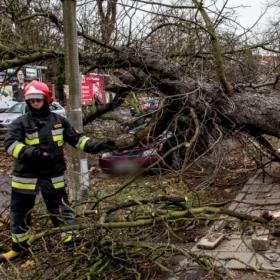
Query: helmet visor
34	96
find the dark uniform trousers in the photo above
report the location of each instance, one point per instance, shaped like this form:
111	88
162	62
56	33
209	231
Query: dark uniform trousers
22	202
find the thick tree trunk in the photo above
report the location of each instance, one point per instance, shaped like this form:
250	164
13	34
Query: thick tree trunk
258	112
246	110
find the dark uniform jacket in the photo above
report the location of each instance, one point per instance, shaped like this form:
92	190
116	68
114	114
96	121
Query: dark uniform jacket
49	134
18	92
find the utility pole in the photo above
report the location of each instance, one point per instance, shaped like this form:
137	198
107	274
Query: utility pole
79	182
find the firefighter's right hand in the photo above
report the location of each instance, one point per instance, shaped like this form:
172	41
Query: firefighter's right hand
35	154
40	155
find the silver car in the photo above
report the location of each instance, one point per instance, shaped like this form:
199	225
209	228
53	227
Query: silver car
19	109
6	102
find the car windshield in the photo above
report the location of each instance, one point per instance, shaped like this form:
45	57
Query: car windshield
17	108
20	108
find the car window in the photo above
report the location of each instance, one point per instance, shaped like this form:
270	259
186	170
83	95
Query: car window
55	106
17	108
21	108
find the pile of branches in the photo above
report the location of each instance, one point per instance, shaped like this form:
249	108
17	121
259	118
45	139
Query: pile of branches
131	240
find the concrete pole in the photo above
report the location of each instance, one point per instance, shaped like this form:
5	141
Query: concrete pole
78	172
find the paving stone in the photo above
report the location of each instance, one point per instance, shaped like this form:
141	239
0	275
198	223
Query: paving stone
275	188
272	208
229	245
263	196
262	201
270	180
245	246
276	195
245	188
233	206
244	259
210	241
260	240
265	188
240	196
274	245
234	235
244	209
253	179
256	213
251	196
259	261
272	200
272	256
259	188
264	180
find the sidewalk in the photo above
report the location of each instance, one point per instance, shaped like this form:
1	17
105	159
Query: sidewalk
260	193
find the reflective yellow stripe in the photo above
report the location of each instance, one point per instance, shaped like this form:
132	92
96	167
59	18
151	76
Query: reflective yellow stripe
58	185
67	239
17	150
59	139
23	186
33	141
83	143
18	239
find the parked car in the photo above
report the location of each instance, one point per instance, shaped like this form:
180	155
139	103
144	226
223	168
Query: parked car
19	108
6	102
131	161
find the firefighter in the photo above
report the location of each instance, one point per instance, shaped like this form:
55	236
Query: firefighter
36	141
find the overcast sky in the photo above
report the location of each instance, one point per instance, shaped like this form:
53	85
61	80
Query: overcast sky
251	11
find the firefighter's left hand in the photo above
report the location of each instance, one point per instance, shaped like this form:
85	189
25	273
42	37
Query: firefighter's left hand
96	147
109	144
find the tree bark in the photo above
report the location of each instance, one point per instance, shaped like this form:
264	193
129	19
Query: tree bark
246	110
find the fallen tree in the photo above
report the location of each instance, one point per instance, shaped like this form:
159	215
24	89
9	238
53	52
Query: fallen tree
247	110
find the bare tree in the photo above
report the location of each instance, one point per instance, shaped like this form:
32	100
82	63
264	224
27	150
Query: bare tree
107	18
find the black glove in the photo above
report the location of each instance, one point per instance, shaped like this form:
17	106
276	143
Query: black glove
110	144
38	154
35	154
96	147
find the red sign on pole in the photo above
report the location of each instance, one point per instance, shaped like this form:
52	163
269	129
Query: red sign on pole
92	89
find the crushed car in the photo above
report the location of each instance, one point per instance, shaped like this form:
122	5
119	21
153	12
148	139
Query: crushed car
133	160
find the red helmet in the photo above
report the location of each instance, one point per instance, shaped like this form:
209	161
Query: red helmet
37	90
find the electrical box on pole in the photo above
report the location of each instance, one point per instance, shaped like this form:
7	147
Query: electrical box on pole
78	172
